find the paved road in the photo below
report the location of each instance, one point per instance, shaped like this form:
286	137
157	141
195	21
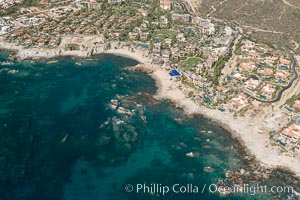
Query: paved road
185	8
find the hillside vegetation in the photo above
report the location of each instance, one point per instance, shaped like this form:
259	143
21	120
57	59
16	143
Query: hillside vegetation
273	21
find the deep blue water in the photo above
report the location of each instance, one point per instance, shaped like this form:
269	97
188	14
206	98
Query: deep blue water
60	140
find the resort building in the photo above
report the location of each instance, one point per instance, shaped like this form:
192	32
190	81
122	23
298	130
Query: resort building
252	54
238	76
281	76
296	104
222	89
266	73
247	66
143	12
284	61
270	60
180	37
239	102
208	29
290	137
248	45
94	6
115	1
181	17
165	4
252	84
165	55
267	91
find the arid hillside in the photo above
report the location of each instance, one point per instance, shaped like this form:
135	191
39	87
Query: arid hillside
275	21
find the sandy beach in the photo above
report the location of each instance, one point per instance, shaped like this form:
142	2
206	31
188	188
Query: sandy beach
243	128
137	55
246	129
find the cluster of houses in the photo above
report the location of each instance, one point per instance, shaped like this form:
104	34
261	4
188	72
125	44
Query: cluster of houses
261	70
170	36
165	4
289	138
4	4
139	33
239	102
173	39
96	4
36	27
7	25
46	28
293	107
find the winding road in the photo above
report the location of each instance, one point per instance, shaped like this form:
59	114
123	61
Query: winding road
280	93
185	6
289	4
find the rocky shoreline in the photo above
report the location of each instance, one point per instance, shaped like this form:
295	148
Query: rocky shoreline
20	53
169	88
246	133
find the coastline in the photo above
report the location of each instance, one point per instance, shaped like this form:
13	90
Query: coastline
246	130
128	54
20	53
243	129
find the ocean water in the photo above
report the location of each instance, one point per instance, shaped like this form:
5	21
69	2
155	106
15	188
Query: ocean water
62	139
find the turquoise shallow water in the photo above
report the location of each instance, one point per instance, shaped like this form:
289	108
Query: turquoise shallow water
61	140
